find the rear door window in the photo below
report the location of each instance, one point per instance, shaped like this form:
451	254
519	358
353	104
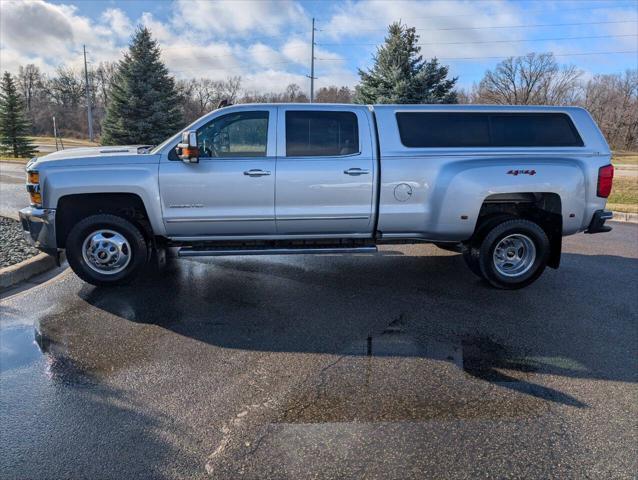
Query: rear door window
321	133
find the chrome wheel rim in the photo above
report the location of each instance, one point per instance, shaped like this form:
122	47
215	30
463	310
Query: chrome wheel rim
514	255
106	251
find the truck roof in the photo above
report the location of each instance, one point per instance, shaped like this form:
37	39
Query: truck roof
423	106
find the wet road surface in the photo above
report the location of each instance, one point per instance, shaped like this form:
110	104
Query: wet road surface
13	195
401	365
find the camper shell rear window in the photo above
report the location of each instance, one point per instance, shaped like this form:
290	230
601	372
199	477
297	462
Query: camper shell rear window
486	129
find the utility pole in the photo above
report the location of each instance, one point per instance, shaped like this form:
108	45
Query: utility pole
55	134
312	63
88	97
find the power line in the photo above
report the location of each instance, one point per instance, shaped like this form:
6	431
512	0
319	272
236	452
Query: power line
490	27
555	54
239	67
525	12
562	10
496	57
502	56
493	41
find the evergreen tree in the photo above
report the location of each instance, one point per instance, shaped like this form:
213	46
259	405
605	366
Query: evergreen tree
14	127
400	75
144	102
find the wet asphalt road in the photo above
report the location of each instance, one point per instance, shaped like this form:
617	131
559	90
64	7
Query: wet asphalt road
13	195
396	366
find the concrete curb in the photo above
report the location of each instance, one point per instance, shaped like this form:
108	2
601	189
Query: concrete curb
19	272
625	217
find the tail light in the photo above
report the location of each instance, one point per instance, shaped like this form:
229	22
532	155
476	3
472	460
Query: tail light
605	180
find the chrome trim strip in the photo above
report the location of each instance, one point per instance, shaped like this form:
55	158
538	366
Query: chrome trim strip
275	251
219	219
310	236
361	217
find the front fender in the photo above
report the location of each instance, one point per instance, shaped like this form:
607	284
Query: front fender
138	179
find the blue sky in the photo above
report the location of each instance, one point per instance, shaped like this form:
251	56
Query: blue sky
267	42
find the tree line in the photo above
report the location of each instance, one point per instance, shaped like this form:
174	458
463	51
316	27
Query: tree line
136	100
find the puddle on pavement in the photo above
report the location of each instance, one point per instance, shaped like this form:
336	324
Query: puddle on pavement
17	348
22	346
89	346
394	376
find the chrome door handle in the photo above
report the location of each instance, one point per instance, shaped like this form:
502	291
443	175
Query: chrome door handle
356	171
256	173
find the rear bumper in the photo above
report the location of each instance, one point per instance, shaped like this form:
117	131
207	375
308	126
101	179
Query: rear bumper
597	224
38	227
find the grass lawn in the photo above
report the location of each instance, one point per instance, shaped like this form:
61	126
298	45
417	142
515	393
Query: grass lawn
13	159
71	142
624	195
50	142
624	158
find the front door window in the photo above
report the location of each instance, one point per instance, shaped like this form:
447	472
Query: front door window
243	134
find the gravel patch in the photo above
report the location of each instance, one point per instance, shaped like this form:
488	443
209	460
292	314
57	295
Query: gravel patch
13	247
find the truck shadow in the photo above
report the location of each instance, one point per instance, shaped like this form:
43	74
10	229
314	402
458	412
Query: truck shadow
573	322
63	422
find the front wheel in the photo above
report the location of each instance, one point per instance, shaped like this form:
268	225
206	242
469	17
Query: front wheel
106	250
514	254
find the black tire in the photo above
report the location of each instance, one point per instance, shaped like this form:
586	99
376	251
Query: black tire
136	249
471	257
522	229
471	250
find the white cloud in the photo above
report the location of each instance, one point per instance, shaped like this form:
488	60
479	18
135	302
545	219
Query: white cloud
213	60
263	55
446	29
118	21
51	35
238	17
272	81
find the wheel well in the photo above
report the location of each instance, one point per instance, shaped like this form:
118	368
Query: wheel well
73	208
542	208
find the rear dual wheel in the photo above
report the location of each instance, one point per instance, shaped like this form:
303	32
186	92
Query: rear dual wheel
512	254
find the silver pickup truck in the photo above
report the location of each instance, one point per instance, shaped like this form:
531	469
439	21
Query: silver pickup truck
500	184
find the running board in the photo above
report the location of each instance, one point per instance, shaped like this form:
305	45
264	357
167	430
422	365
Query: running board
223	252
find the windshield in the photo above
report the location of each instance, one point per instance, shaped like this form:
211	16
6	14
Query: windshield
159	148
169	140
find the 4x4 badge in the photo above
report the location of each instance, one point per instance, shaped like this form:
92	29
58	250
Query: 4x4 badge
521	172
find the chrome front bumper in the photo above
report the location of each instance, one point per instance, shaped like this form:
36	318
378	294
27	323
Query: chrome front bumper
38	226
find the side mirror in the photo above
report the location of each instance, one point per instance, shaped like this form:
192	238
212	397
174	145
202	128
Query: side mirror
187	150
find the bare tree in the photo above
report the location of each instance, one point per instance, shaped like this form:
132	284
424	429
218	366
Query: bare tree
533	79
292	93
613	102
103	79
29	82
334	94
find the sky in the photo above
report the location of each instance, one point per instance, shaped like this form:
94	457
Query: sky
267	43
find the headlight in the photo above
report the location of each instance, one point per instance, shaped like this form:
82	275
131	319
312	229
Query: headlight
33	187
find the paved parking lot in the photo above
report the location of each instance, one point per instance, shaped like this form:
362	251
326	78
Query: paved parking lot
400	366
13	194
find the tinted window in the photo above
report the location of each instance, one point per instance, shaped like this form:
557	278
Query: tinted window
467	129
534	130
321	133
243	134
